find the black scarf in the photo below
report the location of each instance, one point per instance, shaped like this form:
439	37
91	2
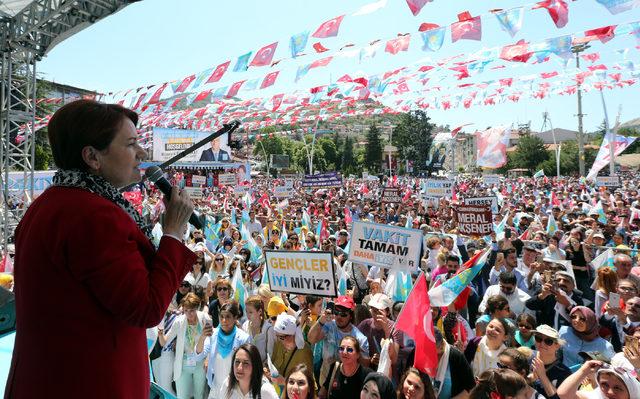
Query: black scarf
99	185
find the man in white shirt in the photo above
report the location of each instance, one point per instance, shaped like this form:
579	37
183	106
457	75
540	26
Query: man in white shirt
253	226
508	289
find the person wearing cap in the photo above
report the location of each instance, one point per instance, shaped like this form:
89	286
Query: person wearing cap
331	327
289	349
547	370
612	383
379	327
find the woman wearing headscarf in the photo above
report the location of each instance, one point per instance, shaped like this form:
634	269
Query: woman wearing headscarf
613	383
377	386
582	336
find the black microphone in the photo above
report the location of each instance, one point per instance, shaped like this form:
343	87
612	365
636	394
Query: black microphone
156	176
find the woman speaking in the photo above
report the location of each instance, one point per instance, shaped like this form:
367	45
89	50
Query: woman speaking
83	249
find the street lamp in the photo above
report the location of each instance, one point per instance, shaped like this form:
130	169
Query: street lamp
266	160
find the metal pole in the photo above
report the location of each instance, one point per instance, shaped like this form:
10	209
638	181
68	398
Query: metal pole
556	149
266	160
390	140
313	143
577	49
609	135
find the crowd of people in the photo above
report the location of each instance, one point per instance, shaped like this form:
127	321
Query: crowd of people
554	313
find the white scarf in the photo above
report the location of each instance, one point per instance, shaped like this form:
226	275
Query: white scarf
485	358
443	365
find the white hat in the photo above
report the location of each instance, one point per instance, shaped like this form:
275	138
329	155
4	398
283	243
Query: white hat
380	301
286	325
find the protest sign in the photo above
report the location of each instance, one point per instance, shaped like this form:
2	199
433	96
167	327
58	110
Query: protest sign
491	179
282	192
438	188
391	195
608	181
194	192
197	181
239	191
491	201
227	179
385	246
331	179
474	220
301	272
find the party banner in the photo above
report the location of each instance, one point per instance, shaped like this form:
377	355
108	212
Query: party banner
301	272
492	147
604	154
391	195
170	142
240	191
491	202
608	181
227	179
331	179
385	246
282	192
197	180
474	220
438	188
491	179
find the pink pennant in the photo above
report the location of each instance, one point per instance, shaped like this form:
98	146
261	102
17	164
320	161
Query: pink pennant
202	95
277	101
329	28
321	62
467	27
264	55
416	5
548	75
319	48
516	52
558	11
394	46
233	90
185	83
156	96
219	71
270	79
603	34
592	57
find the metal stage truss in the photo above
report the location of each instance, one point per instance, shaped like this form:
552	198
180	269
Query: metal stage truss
29	30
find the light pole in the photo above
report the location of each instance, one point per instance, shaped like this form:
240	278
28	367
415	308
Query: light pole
577	49
266	160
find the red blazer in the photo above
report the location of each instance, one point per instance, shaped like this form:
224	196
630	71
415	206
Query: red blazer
88	283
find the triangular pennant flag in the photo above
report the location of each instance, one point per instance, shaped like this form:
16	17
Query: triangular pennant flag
269	79
558	11
264	55
433	39
243	62
467	27
297	43
329	28
416	5
511	20
218	72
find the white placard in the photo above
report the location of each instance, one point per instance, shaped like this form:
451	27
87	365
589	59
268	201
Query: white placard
438	188
282	192
197	180
491	179
227	179
608	181
194	192
385	246
492	201
239	191
301	272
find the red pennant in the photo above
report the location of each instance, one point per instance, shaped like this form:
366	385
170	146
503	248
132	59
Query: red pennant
394	46
321	62
467	27
219	71
603	34
142	96
416	5
329	28
548	75
345	79
184	84
270	79
277	101
427	26
319	48
202	95
156	96
264	55
233	90
516	52
506	82
558	11
361	81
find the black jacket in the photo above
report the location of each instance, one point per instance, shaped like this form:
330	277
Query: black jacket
545	309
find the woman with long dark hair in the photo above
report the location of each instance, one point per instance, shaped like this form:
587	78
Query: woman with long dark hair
499	383
245	378
300	383
415	384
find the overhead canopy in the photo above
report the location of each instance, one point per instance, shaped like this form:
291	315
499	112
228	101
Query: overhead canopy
12	7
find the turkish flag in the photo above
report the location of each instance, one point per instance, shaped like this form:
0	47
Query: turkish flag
467	27
185	83
603	34
394	46
320	63
202	95
416	320
270	79
558	11
156	96
518	52
264	201
142	96
548	75
233	90
264	55
329	28
277	101
319	48
416	5
217	74
362	81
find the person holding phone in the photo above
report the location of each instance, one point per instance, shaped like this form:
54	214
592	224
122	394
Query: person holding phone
613	383
187	329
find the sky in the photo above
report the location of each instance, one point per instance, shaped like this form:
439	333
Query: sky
156	41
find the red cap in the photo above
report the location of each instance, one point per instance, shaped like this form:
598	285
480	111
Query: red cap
345	302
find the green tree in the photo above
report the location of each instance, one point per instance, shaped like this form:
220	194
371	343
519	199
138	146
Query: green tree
43	158
530	152
330	152
348	157
412	136
373	151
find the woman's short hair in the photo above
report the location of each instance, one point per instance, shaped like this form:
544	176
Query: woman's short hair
255	383
190	301
607	280
495	303
308	375
503	381
255	302
353	339
84	123
520	361
265	291
231	307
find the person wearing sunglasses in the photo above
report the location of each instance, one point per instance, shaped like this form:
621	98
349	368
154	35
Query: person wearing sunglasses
345	377
331	327
223	293
582	335
548	372
218	267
